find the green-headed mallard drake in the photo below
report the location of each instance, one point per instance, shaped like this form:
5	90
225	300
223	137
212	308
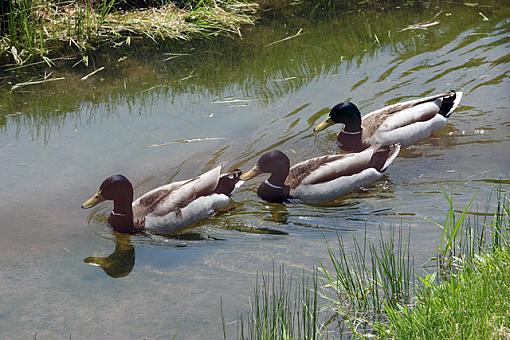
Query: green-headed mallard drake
166	209
403	123
320	179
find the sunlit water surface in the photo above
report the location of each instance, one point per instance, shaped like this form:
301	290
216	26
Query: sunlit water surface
227	101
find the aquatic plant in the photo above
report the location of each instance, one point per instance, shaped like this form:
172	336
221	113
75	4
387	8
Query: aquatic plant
372	275
465	234
352	295
282	308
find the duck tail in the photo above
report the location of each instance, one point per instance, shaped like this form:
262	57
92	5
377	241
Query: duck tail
228	182
394	150
450	103
383	156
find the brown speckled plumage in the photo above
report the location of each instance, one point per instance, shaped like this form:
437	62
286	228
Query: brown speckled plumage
156	206
301	170
397	123
374	120
321	178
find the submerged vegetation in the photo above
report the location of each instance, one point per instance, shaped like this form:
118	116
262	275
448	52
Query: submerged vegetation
373	290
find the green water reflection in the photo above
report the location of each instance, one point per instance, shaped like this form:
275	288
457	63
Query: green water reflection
259	73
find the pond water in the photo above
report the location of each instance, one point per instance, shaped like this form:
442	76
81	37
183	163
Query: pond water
157	114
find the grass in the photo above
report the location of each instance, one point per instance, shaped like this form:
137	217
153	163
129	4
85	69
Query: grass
462	240
373	291
282	308
472	298
39	28
362	282
36	27
354	294
474	304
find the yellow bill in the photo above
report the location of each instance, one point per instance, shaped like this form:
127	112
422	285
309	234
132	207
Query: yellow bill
325	124
96	199
255	171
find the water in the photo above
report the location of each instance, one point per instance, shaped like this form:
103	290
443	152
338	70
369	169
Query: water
227	101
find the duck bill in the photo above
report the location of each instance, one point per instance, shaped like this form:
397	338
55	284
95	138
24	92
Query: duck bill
96	199
325	124
255	171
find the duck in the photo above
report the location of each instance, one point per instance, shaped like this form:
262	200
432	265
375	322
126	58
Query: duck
169	208
404	123
319	179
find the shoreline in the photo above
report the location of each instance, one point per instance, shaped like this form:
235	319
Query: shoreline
46	32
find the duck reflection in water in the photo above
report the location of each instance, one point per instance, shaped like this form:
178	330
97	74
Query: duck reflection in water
120	262
278	213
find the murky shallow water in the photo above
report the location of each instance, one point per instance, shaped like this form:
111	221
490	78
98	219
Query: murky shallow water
229	101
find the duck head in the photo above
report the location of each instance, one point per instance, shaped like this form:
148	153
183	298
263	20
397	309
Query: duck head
114	188
277	164
272	162
345	113
118	189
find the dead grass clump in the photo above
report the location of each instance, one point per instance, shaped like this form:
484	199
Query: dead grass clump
38	28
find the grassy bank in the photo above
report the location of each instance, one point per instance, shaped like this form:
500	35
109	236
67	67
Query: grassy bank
475	304
374	291
32	29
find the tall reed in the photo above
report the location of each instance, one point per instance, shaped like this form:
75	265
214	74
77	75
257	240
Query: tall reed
372	275
282	308
22	26
465	234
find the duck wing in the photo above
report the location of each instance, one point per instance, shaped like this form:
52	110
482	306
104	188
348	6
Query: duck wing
339	177
411	121
303	169
407	104
325	168
175	196
408	112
